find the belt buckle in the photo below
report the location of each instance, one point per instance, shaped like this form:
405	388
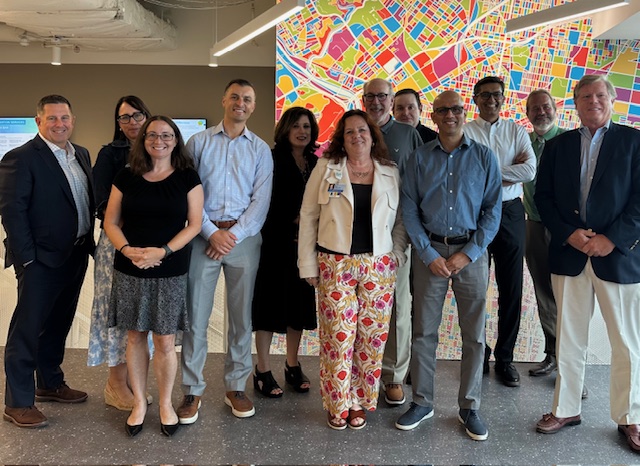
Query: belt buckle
446	240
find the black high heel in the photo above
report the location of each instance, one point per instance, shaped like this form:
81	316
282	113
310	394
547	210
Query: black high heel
133	430
169	429
296	378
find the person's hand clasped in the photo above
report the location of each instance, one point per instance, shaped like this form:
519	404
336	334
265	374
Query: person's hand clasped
313	281
457	262
145	258
439	268
220	244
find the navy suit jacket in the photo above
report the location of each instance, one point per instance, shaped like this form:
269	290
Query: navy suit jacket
37	207
612	209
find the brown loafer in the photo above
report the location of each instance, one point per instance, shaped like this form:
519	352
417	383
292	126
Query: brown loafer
632	432
29	417
62	394
549	424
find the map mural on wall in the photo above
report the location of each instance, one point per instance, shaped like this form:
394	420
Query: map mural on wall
329	50
332	47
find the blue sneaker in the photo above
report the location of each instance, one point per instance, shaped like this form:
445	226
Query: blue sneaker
473	424
414	416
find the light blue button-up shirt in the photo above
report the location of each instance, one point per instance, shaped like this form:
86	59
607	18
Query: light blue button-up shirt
589	152
236	175
452	194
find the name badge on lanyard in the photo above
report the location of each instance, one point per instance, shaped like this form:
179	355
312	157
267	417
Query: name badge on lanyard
336	189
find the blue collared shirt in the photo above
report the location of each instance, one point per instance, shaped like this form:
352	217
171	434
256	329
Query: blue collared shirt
451	195
589	152
236	175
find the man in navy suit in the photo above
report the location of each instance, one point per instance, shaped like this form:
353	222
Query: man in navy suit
588	196
46	205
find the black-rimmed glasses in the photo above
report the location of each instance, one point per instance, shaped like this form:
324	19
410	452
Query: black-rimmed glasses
487	95
456	110
371	97
166	137
137	116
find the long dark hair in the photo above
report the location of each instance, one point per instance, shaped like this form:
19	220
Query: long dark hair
135	102
140	160
284	126
379	151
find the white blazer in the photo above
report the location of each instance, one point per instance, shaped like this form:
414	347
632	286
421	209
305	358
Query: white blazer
328	220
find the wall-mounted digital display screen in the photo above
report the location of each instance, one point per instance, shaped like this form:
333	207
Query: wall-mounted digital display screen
15	131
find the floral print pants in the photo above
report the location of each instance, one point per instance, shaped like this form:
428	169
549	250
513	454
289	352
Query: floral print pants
355	301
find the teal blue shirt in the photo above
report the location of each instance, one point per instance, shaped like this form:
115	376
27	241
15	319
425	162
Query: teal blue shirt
530	188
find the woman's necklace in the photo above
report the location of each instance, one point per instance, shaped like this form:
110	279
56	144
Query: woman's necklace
359	174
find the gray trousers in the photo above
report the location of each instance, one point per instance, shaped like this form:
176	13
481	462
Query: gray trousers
240	267
397	352
429	293
537	255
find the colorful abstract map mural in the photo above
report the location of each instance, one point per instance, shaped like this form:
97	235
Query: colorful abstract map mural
327	52
332	47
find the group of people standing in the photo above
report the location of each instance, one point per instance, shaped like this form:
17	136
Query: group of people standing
392	209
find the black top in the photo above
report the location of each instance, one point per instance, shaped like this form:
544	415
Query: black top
111	159
152	214
362	237
427	134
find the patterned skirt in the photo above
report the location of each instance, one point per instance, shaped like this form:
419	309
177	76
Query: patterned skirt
158	305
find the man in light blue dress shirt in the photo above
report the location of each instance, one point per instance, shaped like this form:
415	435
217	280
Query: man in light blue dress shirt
451	202
236	169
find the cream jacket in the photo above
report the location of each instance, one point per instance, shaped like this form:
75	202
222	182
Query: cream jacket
328	221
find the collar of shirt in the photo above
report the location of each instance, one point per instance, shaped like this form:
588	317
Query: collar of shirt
385	128
245	132
552	133
69	150
584	131
485	124
463	143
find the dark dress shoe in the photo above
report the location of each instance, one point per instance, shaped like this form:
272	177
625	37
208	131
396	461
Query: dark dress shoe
549	424
29	416
133	430
632	432
508	374
545	367
169	429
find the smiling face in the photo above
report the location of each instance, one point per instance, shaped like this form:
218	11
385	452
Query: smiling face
55	123
238	102
489	100
594	105
357	136
406	109
132	128
300	133
377	100
156	147
541	113
449	124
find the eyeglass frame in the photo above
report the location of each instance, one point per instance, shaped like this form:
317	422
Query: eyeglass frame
370	97
136	116
487	95
443	111
165	137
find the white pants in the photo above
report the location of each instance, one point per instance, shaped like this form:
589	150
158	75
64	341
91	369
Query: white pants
620	306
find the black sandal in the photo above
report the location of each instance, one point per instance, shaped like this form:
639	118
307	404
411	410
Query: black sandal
296	378
266	384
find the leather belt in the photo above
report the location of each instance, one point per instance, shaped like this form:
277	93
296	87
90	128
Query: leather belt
450	239
81	240
510	201
224	224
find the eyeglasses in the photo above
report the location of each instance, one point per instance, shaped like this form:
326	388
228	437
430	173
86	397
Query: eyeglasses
443	111
487	95
137	116
371	97
166	137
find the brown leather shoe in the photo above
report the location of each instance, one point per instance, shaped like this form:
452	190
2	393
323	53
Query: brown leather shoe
62	394
549	424
393	394
240	405
632	432
25	417
188	411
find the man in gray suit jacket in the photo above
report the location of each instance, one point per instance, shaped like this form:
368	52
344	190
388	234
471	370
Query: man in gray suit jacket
46	204
588	196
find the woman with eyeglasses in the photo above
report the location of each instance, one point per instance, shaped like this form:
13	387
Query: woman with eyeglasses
351	242
108	345
154	211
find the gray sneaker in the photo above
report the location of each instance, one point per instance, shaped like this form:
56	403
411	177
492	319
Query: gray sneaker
473	424
414	416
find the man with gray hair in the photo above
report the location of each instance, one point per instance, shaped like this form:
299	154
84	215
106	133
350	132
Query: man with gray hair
588	195
401	140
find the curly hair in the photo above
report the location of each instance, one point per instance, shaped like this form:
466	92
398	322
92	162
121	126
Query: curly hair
379	151
139	158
